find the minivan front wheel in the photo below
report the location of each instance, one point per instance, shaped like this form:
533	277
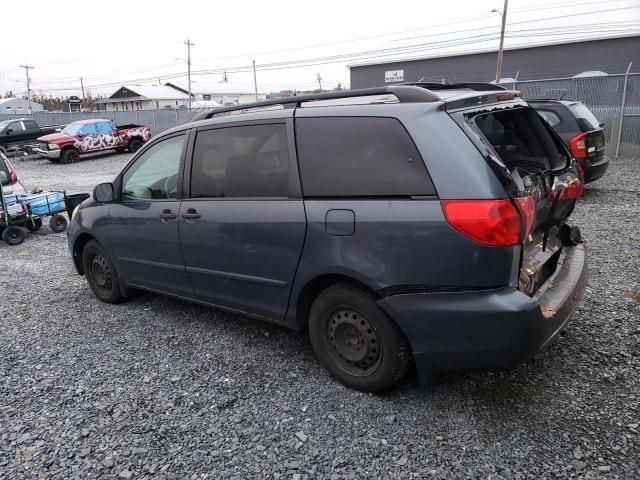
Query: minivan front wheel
355	340
101	273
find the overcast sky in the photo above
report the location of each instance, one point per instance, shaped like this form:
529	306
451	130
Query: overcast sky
117	42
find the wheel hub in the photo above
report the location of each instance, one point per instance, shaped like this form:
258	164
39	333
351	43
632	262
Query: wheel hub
100	272
353	338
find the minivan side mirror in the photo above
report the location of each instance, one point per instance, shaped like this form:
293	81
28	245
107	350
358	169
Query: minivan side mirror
103	192
8	131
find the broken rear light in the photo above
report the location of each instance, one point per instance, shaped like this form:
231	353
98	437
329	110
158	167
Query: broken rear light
573	190
495	223
578	145
527	206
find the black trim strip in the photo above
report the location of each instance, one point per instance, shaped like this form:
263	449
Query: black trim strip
413	289
239	276
150	263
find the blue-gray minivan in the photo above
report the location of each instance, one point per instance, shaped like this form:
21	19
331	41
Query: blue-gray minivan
411	224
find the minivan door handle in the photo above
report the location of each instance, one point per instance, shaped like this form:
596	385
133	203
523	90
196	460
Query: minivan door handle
167	215
191	214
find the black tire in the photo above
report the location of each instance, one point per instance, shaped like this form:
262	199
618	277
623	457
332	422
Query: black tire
13	235
355	339
134	145
101	273
69	155
58	223
35	225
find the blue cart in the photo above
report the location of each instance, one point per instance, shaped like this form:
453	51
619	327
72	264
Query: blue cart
27	210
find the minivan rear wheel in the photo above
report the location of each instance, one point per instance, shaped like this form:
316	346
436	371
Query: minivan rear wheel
355	339
101	274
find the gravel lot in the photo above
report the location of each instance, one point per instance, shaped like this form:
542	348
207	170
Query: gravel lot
157	388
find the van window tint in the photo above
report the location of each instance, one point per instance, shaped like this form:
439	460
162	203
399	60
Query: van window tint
522	139
246	161
359	156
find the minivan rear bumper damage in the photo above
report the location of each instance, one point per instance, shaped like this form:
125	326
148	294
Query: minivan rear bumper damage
489	329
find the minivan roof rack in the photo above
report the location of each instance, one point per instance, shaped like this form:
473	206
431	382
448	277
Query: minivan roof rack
415	93
478	86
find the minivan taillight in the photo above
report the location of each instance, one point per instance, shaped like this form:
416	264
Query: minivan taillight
527	206
572	191
495	223
578	145
13	177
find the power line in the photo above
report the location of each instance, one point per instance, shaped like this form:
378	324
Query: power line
380	53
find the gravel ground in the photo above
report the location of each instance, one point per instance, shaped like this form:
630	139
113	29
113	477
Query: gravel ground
157	388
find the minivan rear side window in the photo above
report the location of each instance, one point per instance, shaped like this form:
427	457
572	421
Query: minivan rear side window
359	156
243	161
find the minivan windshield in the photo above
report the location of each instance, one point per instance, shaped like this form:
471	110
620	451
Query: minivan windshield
522	139
586	120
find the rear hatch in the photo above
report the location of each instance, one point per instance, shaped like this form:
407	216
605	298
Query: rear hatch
537	172
590	143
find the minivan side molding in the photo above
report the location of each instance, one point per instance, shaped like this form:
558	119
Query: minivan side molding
238	276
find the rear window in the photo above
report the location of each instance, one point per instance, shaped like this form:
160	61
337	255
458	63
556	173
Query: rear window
359	156
522	139
550	117
586	120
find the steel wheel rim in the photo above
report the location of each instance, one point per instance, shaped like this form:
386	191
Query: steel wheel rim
352	340
100	273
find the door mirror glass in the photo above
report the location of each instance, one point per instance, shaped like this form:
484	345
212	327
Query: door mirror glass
103	192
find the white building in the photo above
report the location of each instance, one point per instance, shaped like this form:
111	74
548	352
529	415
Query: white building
144	97
19	106
224	93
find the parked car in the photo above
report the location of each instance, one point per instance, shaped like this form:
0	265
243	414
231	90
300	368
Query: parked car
17	133
423	223
581	131
10	183
90	136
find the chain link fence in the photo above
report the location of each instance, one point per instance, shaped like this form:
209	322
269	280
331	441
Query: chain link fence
157	120
603	95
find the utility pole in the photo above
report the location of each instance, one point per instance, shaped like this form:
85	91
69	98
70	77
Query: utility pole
319	78
501	47
82	87
255	79
26	69
189	45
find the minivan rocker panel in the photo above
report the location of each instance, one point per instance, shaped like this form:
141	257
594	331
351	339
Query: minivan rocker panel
392	232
